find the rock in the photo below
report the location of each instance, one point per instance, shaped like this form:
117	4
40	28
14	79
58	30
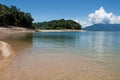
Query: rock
6	54
5	50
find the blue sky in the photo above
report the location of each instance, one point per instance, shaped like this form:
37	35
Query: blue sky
45	10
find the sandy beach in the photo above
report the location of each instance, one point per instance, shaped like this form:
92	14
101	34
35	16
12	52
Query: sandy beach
26	30
46	64
54	66
66	30
15	29
60	67
60	40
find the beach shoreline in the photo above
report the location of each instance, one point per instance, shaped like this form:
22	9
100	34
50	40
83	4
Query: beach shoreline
15	29
28	30
51	63
64	30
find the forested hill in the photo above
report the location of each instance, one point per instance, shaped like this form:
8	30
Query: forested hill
58	24
12	16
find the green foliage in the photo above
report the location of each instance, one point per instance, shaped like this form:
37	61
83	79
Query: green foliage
14	17
58	24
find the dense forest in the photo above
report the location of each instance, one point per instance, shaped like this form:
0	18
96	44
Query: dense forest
58	24
12	16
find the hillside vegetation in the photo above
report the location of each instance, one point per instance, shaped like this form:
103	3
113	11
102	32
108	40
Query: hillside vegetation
58	24
12	16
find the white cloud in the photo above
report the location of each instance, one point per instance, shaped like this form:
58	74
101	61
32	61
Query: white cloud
101	17
85	23
76	20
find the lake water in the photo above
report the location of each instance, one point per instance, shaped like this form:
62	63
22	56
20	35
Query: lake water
65	56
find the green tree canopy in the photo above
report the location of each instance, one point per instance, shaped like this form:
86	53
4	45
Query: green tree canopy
58	24
14	17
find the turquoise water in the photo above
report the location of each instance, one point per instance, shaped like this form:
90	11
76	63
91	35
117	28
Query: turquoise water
100	46
59	55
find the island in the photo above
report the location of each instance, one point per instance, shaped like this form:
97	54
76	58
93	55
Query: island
12	19
58	25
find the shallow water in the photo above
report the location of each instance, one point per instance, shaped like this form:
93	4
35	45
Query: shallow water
65	56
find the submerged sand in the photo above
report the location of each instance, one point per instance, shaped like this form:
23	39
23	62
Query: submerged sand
6	55
60	67
53	65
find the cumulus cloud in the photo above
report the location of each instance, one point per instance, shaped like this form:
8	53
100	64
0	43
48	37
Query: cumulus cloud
101	17
85	23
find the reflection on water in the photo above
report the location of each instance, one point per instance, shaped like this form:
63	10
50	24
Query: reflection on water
105	46
18	41
66	55
56	40
99	45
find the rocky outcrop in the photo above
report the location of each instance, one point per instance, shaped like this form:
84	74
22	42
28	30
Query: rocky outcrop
5	50
6	55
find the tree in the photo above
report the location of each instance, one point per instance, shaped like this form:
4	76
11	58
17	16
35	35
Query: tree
58	24
14	17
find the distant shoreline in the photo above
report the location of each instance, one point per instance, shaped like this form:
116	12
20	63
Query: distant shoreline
64	30
16	30
28	30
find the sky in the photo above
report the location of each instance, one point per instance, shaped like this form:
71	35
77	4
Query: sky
82	11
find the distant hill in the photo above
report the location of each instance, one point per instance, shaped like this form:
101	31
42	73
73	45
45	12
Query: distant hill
103	27
58	25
